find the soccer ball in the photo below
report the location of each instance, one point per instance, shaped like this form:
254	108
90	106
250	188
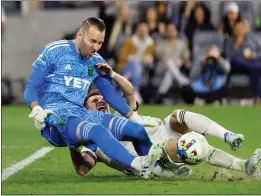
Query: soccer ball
192	148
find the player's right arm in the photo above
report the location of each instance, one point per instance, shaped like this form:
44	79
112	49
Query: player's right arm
40	70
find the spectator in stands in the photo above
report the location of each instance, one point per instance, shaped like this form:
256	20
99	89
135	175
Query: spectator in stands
156	27
230	19
3	22
164	10
118	28
173	54
197	17
208	78
244	52
136	53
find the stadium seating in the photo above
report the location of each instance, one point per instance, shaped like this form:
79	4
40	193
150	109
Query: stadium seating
239	83
204	39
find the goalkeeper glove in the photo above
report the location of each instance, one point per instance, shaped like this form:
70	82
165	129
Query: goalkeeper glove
38	115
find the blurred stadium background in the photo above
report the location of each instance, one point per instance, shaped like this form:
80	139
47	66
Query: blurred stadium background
194	56
172	70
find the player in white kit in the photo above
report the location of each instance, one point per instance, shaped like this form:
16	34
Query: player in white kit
167	133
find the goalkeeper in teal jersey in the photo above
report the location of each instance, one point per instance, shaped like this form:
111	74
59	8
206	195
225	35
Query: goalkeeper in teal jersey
55	93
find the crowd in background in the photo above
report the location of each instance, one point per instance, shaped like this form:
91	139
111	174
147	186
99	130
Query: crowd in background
169	49
184	50
175	50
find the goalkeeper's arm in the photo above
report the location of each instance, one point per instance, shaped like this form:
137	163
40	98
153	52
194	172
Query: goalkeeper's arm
39	72
30	91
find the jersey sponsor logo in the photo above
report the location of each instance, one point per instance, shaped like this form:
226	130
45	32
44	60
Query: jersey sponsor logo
76	82
67	67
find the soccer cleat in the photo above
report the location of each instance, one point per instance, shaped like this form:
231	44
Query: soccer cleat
149	163
251	166
234	140
146	168
167	173
162	166
183	172
128	172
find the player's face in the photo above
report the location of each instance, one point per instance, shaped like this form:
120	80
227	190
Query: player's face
97	103
90	41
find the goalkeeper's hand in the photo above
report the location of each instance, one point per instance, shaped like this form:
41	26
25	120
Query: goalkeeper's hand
145	120
38	115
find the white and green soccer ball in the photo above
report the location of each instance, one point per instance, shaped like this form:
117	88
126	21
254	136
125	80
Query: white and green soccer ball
192	148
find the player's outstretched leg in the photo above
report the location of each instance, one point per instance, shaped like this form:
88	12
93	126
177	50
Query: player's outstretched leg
169	158
126	130
220	158
80	132
205	126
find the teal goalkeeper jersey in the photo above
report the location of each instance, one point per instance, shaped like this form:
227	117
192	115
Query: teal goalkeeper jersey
67	75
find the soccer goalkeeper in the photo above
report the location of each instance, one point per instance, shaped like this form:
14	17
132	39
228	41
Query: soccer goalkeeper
55	93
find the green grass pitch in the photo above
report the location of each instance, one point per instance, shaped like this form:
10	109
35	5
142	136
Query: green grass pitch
54	174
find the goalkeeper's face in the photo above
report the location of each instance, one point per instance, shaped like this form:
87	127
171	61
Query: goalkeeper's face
96	102
90	41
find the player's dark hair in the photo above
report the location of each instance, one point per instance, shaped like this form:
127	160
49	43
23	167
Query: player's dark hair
97	22
90	94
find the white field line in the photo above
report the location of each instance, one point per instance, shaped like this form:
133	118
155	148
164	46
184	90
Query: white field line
16	147
12	169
